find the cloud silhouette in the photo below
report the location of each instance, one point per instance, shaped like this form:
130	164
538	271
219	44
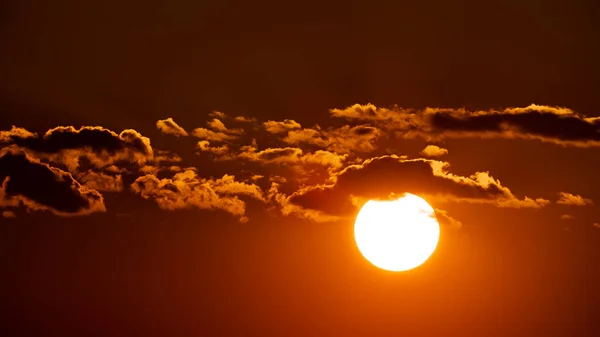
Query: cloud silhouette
549	124
381	177
67	145
37	186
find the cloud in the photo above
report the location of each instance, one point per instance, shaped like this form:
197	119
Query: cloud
40	187
216	124
556	125
446	220
95	138
217	114
572	199
380	177
169	127
100	181
244	119
15	134
345	139
217	132
8	214
281	126
292	155
220	151
567	217
186	190
318	172
596	224
210	135
66	145
433	151
289	208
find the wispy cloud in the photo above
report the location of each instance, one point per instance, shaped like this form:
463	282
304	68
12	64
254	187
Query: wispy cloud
169	127
565	198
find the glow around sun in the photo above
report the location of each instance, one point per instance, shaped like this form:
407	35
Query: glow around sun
397	235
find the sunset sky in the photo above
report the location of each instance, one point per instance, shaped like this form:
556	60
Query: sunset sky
194	168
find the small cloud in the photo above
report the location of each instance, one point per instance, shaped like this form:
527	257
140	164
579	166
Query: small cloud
216	124
567	217
345	139
244	119
217	132
433	151
293	156
217	114
596	224
8	214
281	126
209	135
220	151
573	199
446	220
168	126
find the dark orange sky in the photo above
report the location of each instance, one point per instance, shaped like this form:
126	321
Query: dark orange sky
179	168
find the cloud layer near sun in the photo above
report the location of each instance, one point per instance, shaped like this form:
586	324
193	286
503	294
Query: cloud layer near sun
317	172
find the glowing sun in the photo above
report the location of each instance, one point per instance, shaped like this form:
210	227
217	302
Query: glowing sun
397	235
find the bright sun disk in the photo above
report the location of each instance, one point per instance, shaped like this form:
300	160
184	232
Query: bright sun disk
397	235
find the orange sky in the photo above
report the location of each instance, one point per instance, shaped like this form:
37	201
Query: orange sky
194	168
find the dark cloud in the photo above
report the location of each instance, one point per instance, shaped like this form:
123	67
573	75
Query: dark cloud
549	124
95	138
381	177
66	145
40	187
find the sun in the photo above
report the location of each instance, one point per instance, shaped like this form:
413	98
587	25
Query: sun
397	235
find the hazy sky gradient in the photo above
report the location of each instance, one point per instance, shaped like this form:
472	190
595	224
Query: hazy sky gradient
193	168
